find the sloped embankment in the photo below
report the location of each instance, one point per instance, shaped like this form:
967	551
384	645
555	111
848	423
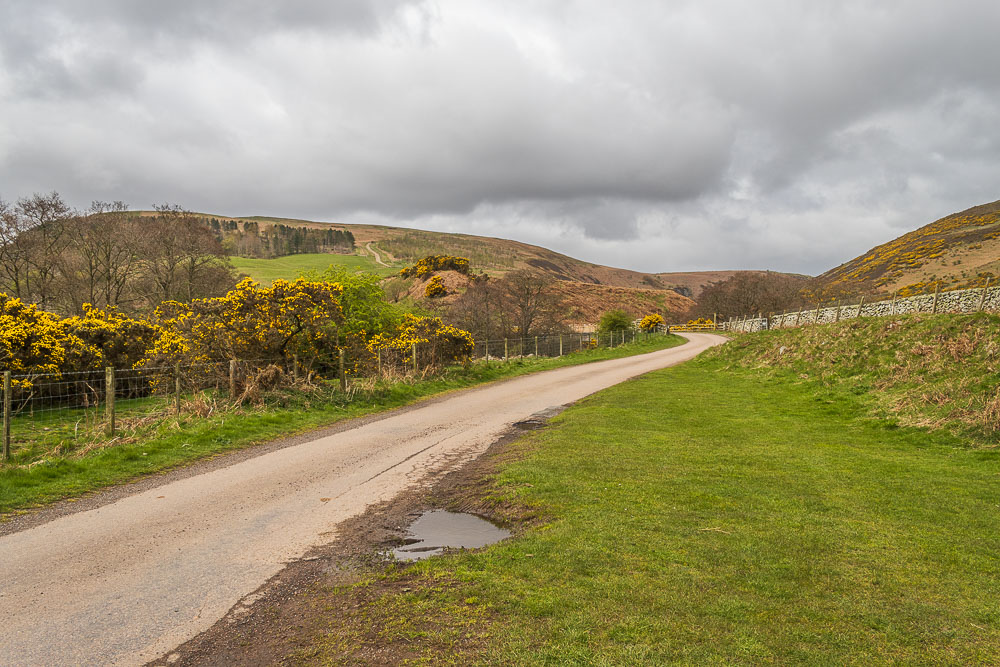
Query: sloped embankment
932	371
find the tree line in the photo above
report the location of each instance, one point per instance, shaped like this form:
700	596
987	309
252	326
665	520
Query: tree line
61	258
246	238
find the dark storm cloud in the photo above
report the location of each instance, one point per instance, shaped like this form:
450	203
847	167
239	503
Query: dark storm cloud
660	136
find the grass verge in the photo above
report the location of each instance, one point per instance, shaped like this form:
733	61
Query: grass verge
711	514
174	441
934	371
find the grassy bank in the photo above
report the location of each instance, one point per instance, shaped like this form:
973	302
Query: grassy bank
712	514
934	371
174	441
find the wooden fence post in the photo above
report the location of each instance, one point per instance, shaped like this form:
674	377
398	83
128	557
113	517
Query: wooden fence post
343	373
232	379
177	388
560	345
934	304
892	310
109	398
505	357
413	348
797	316
6	415
982	297
861	305
380	362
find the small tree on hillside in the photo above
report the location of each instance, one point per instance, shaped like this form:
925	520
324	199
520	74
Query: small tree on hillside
614	320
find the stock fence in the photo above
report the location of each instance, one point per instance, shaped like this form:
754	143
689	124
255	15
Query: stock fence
59	411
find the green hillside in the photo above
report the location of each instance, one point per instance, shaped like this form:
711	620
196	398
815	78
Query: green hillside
292	266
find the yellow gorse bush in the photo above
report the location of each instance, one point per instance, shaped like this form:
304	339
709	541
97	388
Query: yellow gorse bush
651	322
34	342
251	322
447	343
432	263
435	288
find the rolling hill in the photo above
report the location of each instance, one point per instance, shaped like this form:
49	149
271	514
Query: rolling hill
959	250
396	247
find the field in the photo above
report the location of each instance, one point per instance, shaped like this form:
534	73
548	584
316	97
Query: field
708	514
290	267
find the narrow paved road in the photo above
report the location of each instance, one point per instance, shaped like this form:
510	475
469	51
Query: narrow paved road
129	581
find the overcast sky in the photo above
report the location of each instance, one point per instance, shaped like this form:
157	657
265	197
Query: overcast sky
659	136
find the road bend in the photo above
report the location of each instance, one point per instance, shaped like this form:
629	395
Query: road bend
127	582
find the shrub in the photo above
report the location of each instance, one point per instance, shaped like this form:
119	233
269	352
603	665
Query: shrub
32	341
614	320
107	338
652	322
432	263
435	288
260	324
446	343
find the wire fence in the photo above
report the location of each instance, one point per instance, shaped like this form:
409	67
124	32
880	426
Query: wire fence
49	411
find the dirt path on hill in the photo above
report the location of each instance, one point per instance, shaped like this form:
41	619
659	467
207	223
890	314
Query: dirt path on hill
374	252
126	582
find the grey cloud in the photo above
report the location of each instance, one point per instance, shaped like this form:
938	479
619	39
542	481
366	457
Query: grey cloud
688	134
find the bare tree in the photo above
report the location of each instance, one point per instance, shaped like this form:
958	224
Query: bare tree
750	292
14	265
105	255
529	305
477	310
182	258
45	238
520	304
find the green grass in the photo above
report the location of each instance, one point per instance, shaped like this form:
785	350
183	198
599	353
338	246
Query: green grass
938	371
705	515
174	441
291	267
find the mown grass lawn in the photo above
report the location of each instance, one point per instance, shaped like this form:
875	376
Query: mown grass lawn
705	516
46	467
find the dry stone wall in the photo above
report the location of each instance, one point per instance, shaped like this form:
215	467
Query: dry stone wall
956	301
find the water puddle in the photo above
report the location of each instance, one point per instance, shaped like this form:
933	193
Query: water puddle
539	419
435	530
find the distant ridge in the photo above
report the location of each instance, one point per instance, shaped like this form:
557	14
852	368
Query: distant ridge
497	256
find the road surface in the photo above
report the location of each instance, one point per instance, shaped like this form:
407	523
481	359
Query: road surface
127	582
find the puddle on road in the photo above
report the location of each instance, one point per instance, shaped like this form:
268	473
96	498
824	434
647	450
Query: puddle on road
435	530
